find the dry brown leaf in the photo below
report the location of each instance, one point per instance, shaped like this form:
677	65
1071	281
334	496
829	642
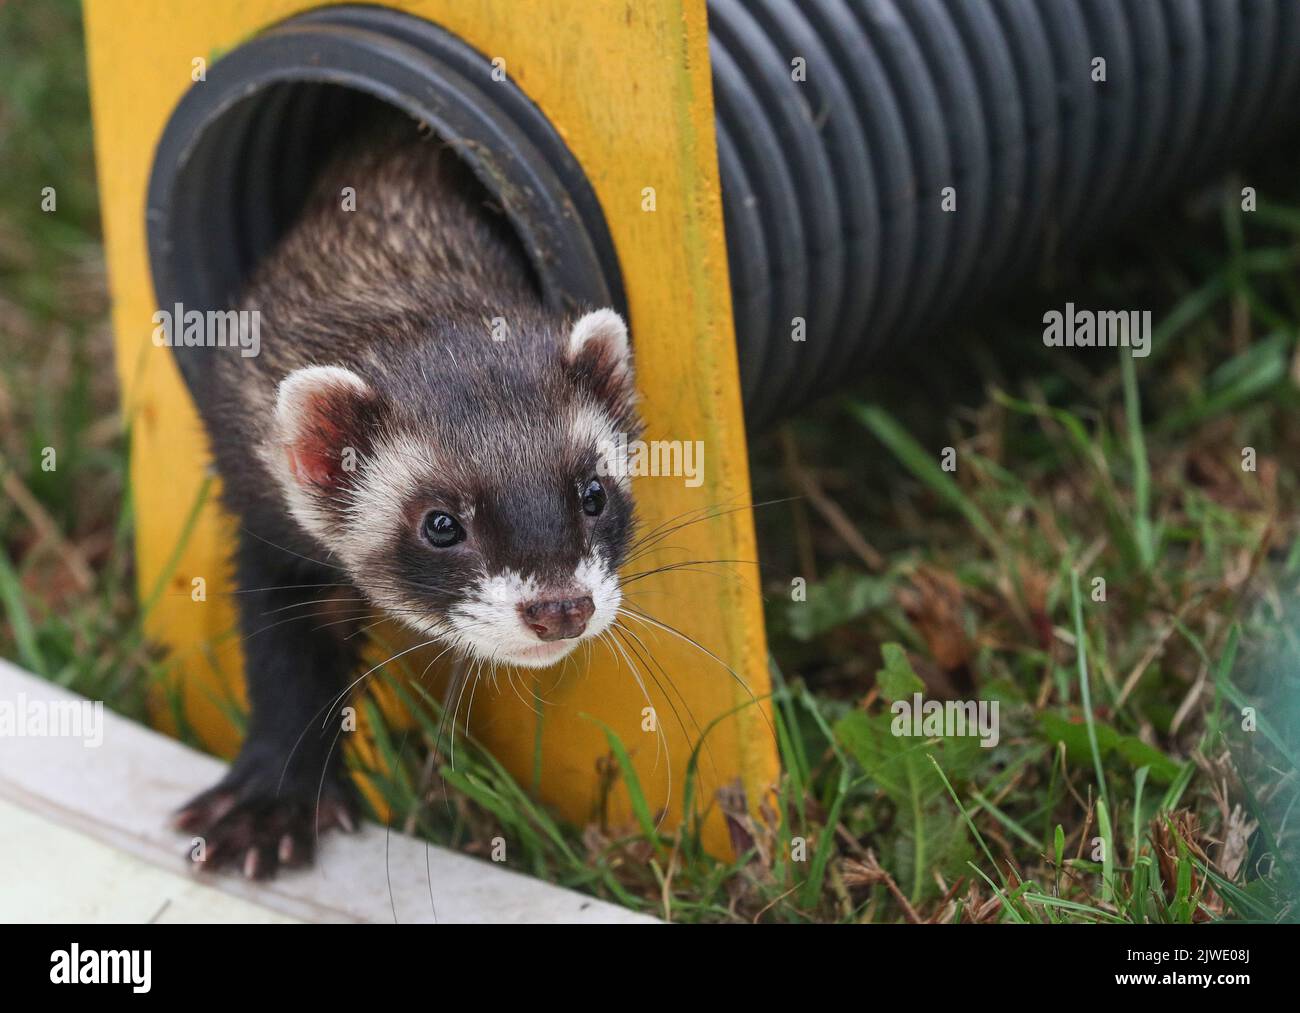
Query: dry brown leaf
934	604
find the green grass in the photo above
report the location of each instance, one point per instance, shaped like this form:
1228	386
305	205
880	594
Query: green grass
1127	785
1072	467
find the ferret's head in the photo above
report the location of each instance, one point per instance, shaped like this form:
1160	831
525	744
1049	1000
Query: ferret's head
476	493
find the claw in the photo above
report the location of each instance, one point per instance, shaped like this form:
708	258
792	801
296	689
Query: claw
260	829
202	812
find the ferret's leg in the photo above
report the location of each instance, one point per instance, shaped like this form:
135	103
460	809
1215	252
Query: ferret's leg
288	781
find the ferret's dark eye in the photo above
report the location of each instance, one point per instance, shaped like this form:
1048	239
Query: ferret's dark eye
441	530
593	499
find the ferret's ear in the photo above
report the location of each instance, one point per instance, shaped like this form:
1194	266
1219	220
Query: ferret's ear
600	355
323	419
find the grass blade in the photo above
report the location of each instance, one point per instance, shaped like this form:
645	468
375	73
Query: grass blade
1081	651
921	463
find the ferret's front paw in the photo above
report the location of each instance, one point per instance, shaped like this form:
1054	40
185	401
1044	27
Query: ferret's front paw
243	824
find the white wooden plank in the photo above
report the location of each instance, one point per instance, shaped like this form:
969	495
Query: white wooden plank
122	791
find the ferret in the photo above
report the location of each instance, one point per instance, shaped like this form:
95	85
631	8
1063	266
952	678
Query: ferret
420	437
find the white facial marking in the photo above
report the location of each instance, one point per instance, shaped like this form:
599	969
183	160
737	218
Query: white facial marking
391	475
591	427
593	573
489	618
489	625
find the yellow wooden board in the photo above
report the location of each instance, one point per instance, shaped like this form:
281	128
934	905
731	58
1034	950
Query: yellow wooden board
628	88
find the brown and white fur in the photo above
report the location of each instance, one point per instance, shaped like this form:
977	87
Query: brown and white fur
409	368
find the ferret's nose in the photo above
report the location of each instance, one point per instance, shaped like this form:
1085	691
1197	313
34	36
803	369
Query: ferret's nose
558	619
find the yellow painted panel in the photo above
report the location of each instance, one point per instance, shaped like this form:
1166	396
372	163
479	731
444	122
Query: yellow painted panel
628	88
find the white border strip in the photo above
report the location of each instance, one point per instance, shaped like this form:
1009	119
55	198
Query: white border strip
123	792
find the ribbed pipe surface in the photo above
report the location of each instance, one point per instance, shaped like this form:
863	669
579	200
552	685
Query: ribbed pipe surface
841	122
